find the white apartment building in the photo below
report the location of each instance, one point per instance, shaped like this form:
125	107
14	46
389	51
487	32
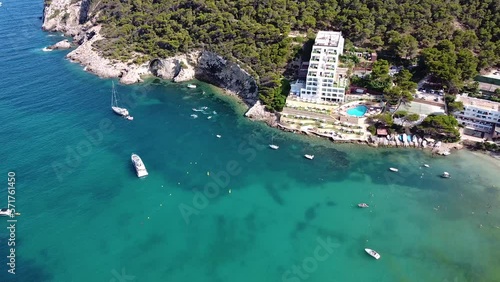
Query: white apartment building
323	82
478	114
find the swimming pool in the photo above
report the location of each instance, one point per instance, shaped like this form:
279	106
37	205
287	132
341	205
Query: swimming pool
358	111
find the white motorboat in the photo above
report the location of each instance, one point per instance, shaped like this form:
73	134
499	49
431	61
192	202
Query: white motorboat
218	136
5	212
393	169
114	104
140	168
445	175
372	253
445	153
309	156
363	205
426	165
192	86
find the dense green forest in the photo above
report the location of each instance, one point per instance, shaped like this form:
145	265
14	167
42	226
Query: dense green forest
255	33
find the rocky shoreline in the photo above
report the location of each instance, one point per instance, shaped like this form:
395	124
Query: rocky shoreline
77	20
437	148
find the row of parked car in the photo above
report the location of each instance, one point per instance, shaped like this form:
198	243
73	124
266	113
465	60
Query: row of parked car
431	91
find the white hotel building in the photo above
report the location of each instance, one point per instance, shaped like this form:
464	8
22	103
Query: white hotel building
323	82
478	114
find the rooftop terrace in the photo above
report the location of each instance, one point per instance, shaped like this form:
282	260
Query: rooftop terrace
479	103
328	38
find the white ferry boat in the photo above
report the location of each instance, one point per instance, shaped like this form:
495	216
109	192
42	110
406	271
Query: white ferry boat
140	168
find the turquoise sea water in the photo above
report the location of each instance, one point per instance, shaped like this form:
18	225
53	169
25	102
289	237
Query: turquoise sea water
270	215
358	111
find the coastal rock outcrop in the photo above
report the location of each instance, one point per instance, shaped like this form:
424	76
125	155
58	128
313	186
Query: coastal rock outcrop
76	19
63	16
165	68
258	112
228	75
63	44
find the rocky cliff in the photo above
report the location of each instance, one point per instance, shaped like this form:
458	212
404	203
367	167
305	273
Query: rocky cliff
76	19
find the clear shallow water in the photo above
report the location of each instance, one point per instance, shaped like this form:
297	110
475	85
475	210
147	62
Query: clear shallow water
358	111
98	222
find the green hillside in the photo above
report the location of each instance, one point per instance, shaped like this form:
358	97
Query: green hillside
255	33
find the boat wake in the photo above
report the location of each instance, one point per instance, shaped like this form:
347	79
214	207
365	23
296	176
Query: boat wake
194	116
45	49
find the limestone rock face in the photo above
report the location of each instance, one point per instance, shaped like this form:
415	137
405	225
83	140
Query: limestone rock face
63	44
259	112
76	19
228	75
164	68
62	16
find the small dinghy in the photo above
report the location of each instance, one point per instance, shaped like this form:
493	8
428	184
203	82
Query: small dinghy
192	86
445	175
372	253
426	165
218	136
274	147
310	157
393	169
129	118
363	205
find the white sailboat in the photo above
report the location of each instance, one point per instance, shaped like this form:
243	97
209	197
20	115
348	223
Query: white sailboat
114	104
272	145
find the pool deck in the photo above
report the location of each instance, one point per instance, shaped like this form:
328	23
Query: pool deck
331	121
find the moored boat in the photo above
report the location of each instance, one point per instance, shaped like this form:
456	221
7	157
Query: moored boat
393	169
5	212
114	104
140	168
192	86
272	146
426	165
445	175
310	157
363	205
372	253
